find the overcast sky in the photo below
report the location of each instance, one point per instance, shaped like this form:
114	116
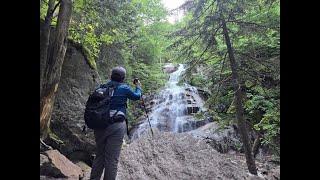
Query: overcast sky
172	4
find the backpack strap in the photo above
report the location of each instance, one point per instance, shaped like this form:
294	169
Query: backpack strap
113	87
110	88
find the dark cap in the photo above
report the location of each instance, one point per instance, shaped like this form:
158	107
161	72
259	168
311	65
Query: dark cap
118	74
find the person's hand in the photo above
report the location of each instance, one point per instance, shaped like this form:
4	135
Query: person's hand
137	83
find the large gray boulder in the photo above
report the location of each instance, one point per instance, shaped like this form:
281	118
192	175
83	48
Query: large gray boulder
222	139
78	79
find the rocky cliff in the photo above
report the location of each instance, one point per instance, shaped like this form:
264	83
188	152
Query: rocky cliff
78	79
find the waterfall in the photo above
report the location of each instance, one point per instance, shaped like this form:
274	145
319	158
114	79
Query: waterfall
173	107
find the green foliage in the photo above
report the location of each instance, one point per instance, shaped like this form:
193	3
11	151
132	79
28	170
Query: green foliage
270	124
258	102
152	77
254	29
239	146
134	31
89	58
150	11
52	136
198	80
43	9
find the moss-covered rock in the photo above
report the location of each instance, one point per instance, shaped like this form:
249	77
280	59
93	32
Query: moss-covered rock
86	53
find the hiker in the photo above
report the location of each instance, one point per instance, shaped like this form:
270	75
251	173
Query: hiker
109	140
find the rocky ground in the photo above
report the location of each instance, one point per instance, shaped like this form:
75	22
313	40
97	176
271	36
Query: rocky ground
164	156
182	156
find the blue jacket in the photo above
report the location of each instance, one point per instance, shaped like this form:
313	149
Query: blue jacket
121	94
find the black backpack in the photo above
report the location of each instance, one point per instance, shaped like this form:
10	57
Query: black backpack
97	111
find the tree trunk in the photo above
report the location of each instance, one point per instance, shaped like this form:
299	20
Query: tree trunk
238	102
44	41
256	145
54	65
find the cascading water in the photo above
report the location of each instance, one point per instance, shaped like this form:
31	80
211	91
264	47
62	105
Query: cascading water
173	107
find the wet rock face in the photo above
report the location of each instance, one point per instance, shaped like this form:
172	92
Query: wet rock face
192	109
203	94
174	107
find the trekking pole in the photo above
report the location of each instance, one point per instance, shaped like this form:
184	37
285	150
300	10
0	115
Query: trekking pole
145	109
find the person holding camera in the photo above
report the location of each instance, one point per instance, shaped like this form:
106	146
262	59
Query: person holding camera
109	140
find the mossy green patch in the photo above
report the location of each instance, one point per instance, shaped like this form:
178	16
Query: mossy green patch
54	137
86	53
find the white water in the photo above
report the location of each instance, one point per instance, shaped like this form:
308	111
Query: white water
170	112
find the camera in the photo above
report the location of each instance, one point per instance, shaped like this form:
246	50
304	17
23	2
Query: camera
135	80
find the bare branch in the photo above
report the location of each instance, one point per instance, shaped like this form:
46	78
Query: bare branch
247	23
199	59
201	14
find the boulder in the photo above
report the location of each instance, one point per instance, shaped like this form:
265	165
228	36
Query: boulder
78	80
169	68
56	165
222	139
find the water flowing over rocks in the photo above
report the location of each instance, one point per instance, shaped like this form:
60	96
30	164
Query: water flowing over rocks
173	108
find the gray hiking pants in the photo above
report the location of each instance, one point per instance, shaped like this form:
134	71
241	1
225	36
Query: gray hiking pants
108	147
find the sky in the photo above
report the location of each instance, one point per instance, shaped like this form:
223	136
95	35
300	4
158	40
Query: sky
172	4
